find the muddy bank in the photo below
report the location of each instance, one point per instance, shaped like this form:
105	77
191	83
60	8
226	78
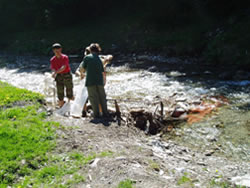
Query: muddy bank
148	161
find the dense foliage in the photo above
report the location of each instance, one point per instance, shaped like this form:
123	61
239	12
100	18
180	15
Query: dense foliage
43	13
204	27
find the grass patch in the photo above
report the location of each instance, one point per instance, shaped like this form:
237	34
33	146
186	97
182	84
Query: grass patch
10	95
27	143
25	139
154	165
106	154
61	171
185	180
126	184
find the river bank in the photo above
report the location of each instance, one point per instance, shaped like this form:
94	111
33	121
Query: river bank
219	137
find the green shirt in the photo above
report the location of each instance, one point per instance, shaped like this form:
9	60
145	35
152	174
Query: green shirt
94	69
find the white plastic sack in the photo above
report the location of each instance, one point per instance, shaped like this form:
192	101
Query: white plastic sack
80	100
50	88
65	110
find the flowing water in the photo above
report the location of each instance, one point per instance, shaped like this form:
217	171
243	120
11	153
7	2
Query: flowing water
227	129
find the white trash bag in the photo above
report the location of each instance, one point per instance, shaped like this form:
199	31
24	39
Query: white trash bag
50	89
80	99
65	110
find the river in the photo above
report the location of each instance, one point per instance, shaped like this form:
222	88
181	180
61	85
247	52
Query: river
137	87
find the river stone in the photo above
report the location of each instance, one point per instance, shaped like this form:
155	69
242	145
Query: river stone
153	69
207	73
94	163
178	112
241	180
181	99
176	74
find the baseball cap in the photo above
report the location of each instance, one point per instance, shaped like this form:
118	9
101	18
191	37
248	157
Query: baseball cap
56	46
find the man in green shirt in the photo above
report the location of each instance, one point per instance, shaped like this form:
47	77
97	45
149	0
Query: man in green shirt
95	80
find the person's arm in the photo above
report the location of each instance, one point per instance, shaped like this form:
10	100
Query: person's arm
54	73
103	74
106	59
104	78
63	67
82	68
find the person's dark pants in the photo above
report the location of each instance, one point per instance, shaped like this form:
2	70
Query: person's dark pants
64	81
97	96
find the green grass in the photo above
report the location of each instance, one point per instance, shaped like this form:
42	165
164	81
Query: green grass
221	182
61	171
28	154
126	184
154	165
185	180
10	95
25	139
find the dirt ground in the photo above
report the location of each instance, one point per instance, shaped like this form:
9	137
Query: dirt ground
147	160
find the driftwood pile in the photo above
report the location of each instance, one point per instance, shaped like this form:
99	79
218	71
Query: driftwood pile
164	121
151	123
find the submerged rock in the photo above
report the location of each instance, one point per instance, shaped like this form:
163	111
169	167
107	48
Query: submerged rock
153	69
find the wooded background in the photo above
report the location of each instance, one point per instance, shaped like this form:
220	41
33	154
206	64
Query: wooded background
211	28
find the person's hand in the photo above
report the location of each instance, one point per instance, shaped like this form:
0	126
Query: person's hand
110	57
105	81
54	75
77	74
82	76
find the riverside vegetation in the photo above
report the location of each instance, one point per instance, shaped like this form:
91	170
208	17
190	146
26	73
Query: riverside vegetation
28	145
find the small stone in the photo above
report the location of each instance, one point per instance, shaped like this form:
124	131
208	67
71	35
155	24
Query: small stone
136	165
167	177
23	162
161	172
211	138
94	163
209	153
207	72
153	69
181	170
201	163
90	177
178	112
120	158
181	99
